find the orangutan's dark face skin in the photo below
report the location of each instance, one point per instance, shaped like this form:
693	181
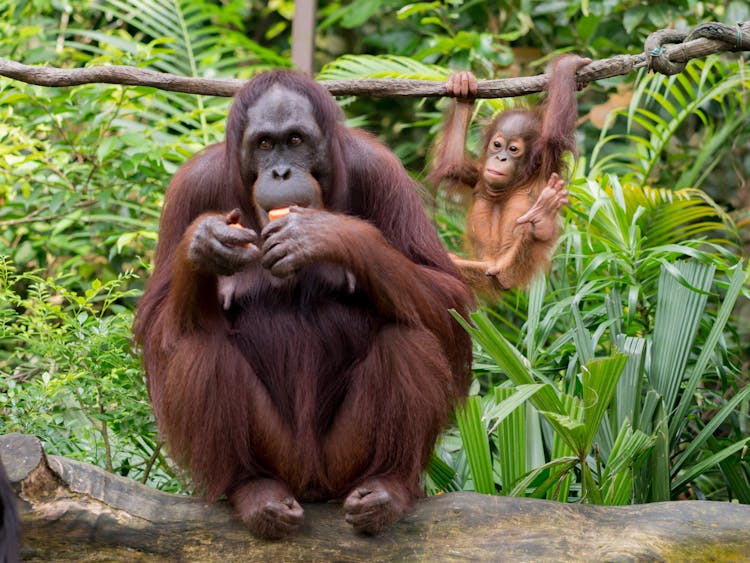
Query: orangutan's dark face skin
284	154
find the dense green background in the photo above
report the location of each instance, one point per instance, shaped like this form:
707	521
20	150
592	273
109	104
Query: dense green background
620	377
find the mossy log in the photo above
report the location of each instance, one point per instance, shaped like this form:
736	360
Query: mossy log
73	511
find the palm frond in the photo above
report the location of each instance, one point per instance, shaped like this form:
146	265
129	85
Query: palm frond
196	46
630	219
350	67
177	37
660	109
681	299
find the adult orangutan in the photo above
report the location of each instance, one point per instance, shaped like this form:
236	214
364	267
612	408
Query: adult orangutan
312	357
512	225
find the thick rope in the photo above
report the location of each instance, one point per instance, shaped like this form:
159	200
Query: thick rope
732	38
666	51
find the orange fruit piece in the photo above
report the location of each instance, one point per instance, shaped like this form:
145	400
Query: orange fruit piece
239	226
278	213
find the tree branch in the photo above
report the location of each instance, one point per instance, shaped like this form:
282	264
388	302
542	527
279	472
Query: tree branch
375	87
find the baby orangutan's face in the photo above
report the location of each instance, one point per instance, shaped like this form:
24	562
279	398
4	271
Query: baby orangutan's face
507	152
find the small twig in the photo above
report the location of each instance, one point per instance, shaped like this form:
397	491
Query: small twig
30	218
150	463
99	425
376	87
105	433
33	217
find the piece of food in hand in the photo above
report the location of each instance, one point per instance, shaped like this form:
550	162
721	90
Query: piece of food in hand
239	226
278	213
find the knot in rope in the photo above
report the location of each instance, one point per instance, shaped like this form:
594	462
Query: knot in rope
734	38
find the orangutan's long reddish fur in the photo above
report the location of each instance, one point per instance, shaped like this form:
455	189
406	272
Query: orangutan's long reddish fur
491	226
295	382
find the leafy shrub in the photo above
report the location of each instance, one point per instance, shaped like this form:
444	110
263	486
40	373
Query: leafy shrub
68	374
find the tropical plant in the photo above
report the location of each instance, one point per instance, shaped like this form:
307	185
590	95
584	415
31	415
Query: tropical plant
677	128
620	286
181	37
616	346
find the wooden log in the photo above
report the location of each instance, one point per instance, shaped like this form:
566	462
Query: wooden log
73	511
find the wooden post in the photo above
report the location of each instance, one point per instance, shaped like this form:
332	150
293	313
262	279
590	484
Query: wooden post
303	35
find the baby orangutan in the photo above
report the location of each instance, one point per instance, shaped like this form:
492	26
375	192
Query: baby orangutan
513	223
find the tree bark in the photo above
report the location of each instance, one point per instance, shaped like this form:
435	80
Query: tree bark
303	35
73	511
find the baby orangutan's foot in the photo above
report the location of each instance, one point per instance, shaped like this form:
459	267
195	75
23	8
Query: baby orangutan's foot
267	508
376	504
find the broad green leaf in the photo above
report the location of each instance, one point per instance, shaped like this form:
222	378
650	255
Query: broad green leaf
678	314
511	437
442	474
572	431
508	400
536	300
716	420
659	474
699	468
628	393
734	473
735	287
589	488
599	378
558	468
509	358
630	449
474	436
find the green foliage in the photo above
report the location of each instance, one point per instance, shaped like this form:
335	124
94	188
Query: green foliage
677	125
68	375
617	382
78	198
178	37
365	66
83	170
